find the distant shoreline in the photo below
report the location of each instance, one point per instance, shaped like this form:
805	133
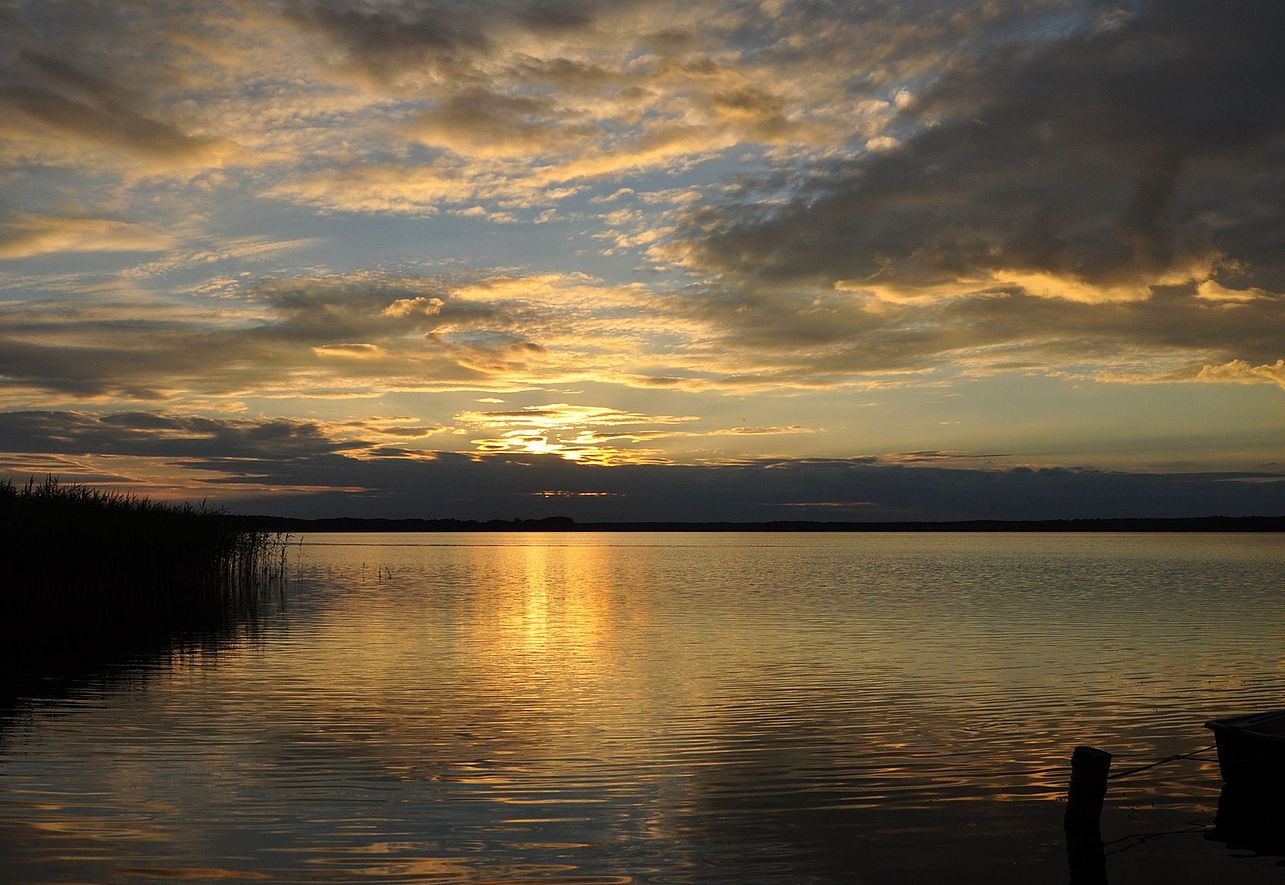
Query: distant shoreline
566	524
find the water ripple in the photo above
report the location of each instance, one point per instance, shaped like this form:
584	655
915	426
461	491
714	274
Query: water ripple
667	708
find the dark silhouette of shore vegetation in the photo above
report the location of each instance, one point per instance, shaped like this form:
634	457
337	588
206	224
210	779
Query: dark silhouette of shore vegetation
566	524
95	574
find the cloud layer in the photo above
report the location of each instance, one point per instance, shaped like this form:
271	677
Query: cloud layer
661	232
1141	151
303	468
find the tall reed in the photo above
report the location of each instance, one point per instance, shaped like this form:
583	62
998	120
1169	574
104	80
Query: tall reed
92	569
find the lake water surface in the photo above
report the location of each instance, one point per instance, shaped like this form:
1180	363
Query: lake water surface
619	708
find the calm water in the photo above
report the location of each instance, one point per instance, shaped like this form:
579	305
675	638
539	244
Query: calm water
670	708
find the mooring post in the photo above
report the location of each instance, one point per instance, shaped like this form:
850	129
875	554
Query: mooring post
1084	849
1089	769
1085	856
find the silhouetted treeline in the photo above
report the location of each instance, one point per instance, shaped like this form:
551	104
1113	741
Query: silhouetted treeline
566	524
356	524
89	572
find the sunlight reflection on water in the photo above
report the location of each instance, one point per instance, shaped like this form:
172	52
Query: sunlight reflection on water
670	708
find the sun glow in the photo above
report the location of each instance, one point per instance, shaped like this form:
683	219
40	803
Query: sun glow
581	433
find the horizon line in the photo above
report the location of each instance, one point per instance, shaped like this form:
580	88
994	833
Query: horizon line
568	524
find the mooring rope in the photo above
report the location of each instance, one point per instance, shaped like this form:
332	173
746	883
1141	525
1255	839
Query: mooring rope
1174	758
1140	838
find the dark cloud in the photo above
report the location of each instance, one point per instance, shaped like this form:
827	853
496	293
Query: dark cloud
388	39
149	434
1137	151
484	487
485	123
72	102
829	338
331	329
402	483
90	84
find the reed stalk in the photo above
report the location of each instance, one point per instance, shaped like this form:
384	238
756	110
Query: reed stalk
88	568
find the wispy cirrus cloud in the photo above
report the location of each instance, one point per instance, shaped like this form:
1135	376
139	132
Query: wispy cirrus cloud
608	89
27	235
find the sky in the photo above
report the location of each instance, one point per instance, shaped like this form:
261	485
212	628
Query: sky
635	259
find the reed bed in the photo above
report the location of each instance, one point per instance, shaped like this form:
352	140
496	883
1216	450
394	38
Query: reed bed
89	570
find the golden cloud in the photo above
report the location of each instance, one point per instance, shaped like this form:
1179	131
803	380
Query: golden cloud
29	235
1242	372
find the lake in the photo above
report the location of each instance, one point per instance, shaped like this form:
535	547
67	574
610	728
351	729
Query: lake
685	707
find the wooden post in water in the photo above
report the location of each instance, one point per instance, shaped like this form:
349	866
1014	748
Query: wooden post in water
1089	769
1084	849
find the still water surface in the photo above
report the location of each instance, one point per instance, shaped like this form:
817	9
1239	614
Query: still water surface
617	708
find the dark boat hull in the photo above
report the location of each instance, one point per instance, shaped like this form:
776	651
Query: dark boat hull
1250	820
1251	750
